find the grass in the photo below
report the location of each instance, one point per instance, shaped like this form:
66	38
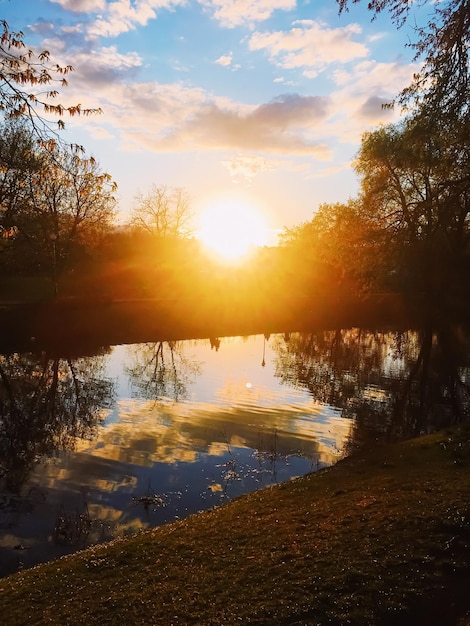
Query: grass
383	537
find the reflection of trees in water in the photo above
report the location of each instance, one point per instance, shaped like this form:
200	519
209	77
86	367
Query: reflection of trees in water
161	369
436	391
45	404
392	384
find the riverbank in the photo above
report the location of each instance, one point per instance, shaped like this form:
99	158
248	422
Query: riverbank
383	537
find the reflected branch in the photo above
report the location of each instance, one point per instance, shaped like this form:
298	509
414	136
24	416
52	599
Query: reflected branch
153	379
45	405
392	385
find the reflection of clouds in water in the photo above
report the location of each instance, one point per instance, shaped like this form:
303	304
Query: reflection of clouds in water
330	434
149	432
217	448
83	471
238	429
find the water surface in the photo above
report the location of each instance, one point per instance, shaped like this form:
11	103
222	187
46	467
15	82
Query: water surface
144	434
100	446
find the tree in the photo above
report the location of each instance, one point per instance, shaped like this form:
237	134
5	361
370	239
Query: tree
340	246
50	198
164	212
24	75
443	82
416	185
18	161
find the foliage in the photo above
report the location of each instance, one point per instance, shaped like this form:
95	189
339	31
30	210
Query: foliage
51	200
30	83
415	185
341	242
18	161
443	81
163	212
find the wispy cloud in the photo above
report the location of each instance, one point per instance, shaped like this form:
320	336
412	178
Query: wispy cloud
362	92
94	65
247	166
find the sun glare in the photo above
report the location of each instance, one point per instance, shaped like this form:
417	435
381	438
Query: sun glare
232	229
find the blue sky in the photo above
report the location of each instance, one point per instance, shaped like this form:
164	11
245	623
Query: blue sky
257	101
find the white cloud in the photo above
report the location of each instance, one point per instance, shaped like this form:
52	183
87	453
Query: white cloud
231	13
122	16
311	45
168	118
82	6
245	167
357	104
100	65
43	28
281	126
224	60
377	37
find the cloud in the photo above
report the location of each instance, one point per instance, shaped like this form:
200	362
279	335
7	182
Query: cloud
374	110
224	60
230	13
390	77
122	16
227	61
82	6
311	45
281	126
330	171
169	118
357	104
99	132
247	166
95	66
41	27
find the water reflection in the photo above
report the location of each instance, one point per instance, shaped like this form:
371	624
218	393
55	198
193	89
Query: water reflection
161	369
96	447
390	384
45	405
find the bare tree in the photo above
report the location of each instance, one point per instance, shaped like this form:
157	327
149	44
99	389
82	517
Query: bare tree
164	212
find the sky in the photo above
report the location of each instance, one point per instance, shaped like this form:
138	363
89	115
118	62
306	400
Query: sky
257	102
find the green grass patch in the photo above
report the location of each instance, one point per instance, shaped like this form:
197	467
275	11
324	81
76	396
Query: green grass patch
383	537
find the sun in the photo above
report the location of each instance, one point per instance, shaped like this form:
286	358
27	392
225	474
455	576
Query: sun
232	229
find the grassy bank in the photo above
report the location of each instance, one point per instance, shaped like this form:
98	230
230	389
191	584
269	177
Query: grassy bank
381	538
